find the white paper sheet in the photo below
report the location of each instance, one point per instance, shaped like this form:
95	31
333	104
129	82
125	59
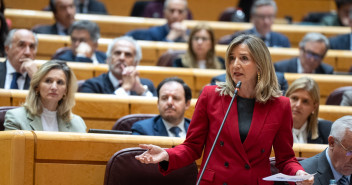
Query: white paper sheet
283	177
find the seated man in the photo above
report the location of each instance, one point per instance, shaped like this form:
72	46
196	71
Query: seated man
342	42
335	161
84	43
346	98
312	50
280	79
64	13
175	11
90	7
340	18
21	49
123	79
262	16
174	98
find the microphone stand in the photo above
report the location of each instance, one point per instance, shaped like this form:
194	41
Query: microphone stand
238	85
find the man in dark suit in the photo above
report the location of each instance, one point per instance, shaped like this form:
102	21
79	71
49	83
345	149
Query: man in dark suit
84	43
123	56
175	11
21	49
334	162
312	50
64	13
342	42
262	16
174	98
280	79
90	7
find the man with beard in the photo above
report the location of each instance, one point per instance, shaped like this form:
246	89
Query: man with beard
123	79
174	98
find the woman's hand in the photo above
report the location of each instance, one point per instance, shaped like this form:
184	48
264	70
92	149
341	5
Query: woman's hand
154	154
305	182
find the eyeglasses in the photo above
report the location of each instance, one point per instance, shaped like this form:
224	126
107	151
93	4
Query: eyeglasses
310	54
263	17
348	152
200	38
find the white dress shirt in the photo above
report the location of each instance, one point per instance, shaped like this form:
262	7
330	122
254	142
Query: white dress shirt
180	125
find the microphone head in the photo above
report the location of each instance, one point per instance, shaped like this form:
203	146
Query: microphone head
238	85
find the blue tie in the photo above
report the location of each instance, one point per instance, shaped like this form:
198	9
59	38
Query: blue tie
15	76
343	181
176	131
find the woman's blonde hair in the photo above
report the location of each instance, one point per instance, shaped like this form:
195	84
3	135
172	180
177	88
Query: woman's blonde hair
309	85
33	102
267	86
190	58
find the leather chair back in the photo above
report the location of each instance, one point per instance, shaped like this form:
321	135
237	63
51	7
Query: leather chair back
3	111
336	96
125	123
123	168
168	57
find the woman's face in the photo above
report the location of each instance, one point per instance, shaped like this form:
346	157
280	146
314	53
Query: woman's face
201	43
242	66
52	87
302	105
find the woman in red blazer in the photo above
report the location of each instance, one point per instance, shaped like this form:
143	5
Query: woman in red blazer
259	119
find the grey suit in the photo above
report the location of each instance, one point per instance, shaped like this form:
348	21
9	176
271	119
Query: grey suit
20	119
346	98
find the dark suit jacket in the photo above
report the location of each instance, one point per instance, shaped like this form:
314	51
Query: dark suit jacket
290	66
156	33
96	7
69	56
276	39
341	42
153	127
233	161
324	127
3	76
178	62
280	78
103	85
320	165
46	29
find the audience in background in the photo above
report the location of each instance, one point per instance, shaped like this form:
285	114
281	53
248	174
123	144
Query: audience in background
155	9
84	43
174	98
201	50
335	161
64	13
312	50
340	18
123	56
3	34
18	69
263	14
175	11
343	42
305	98
90	7
346	98
48	106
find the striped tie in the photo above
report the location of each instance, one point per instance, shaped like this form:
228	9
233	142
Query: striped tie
175	131
344	181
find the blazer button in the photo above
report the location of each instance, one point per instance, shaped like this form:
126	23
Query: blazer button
224	183
221	143
247	166
263	150
226	164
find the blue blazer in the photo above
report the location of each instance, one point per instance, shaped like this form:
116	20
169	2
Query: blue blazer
46	29
324	127
276	39
153	127
3	76
102	84
156	33
280	78
341	42
290	66
69	56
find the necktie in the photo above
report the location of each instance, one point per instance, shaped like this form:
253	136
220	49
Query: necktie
176	131
343	181
14	84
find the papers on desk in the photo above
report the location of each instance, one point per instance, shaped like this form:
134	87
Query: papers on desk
288	178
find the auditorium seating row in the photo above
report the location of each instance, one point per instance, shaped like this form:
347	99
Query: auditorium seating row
210	10
113	26
101	111
55	158
48	44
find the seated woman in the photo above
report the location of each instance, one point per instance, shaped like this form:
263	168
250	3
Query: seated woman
201	50
304	98
49	102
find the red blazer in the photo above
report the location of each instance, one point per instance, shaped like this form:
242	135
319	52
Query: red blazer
233	162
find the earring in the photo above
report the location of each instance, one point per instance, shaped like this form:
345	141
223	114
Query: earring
258	77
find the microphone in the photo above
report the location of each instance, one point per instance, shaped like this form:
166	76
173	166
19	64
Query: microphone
238	85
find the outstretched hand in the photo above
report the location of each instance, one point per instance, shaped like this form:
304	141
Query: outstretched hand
154	154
